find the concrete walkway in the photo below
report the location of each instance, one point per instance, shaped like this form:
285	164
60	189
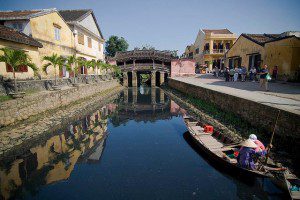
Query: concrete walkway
281	96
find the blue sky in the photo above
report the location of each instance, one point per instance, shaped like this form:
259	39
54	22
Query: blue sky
172	24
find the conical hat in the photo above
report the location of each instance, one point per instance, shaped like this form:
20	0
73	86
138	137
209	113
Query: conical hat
249	143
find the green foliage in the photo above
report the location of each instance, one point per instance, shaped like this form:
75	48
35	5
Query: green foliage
16	58
5	98
53	60
114	44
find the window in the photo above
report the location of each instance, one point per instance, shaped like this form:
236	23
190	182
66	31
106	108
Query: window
18	26
80	38
197	51
89	42
100	46
57	33
191	55
22	68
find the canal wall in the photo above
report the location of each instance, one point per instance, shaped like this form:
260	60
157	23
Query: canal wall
19	109
17	139
253	112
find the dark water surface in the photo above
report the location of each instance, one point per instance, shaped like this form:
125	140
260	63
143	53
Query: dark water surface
133	148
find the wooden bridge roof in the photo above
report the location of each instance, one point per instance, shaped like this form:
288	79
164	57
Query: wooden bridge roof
166	56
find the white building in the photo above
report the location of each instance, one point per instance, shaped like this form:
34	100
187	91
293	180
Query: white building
88	36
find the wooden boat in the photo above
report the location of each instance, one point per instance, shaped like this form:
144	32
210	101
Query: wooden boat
290	181
219	151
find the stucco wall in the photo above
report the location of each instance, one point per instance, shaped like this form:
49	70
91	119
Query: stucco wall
284	53
18	109
255	113
90	24
30	50
185	67
241	48
43	31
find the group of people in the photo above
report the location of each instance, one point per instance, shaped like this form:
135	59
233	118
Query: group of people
240	73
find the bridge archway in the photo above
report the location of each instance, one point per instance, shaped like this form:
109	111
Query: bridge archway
153	63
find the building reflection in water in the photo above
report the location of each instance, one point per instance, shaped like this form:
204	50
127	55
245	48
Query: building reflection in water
54	160
82	141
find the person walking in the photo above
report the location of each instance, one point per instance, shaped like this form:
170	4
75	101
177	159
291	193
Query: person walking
244	73
252	74
217	71
236	74
263	77
226	74
231	74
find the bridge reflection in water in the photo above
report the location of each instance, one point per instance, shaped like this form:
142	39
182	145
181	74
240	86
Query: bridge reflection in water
82	141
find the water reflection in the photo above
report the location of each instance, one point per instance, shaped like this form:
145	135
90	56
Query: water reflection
54	160
145	157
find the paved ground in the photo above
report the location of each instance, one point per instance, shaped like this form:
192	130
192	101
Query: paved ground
282	96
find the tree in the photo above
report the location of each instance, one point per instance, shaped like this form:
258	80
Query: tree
55	61
16	59
73	65
92	64
114	44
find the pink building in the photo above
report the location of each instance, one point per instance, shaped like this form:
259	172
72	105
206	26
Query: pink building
183	67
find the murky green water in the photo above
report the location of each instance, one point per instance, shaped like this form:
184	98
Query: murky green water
133	148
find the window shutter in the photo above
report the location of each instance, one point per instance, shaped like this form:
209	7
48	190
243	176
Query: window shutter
9	68
89	42
85	70
80	38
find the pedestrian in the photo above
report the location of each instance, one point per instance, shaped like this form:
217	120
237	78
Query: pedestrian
263	77
240	73
217	71
244	73
275	73
252	74
236	74
231	74
226	74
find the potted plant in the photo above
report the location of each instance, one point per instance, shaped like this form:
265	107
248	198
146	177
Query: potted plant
16	58
55	61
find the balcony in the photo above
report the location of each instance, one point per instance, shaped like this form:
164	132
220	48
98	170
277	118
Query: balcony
215	51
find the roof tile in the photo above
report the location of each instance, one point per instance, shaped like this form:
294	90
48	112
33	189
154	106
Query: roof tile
16	36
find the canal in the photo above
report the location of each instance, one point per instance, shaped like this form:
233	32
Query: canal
135	147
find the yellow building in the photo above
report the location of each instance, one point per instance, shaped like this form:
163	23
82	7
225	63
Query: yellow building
255	50
66	32
210	46
14	39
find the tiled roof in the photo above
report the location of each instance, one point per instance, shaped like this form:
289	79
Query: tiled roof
22	14
73	15
217	31
16	36
261	39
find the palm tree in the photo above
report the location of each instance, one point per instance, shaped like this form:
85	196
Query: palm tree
72	63
55	61
99	64
16	59
92	64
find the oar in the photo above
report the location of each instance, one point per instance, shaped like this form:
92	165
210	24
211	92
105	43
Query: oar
271	140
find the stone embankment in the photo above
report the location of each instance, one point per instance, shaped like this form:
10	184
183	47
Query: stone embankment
257	114
17	138
19	109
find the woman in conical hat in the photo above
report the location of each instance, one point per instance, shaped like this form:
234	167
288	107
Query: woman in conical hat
249	143
246	154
